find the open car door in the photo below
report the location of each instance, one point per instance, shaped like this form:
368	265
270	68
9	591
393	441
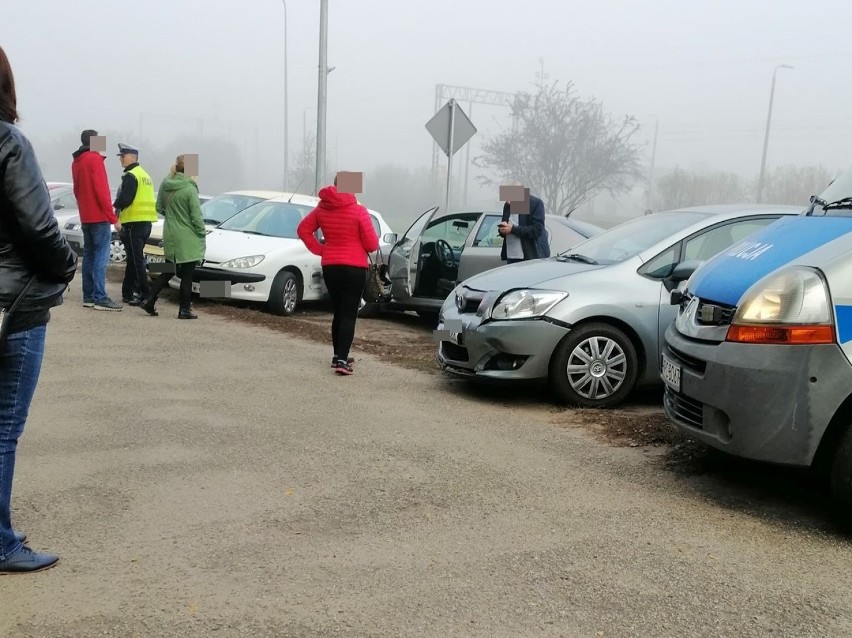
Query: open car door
402	262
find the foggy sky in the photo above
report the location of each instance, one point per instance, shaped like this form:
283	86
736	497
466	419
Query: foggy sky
702	68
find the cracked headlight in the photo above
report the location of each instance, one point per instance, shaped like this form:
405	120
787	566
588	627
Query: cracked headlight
244	262
525	304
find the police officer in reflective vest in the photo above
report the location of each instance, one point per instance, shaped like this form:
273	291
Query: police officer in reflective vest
135	205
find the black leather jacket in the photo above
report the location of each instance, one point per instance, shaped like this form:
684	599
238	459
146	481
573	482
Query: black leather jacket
30	241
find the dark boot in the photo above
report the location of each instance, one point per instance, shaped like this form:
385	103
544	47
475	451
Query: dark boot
148	306
186	313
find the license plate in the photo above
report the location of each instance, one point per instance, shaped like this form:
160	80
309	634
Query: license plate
671	374
196	287
155	259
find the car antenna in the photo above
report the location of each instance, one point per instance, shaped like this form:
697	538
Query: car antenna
297	188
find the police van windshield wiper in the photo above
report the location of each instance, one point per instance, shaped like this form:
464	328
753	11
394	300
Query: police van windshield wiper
578	257
846	202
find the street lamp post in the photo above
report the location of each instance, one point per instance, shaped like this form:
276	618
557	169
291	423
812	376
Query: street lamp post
321	95
766	136
286	108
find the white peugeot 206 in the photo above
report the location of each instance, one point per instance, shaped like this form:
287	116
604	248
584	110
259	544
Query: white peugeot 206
259	256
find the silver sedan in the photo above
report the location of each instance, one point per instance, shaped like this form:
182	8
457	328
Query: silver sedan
591	320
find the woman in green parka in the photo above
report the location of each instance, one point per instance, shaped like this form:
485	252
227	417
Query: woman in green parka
183	236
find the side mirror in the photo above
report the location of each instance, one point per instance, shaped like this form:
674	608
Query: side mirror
681	273
58	206
390	238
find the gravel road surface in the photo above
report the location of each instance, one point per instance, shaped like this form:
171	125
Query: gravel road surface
215	478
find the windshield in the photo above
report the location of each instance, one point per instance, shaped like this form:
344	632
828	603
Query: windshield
839	189
633	237
222	207
272	219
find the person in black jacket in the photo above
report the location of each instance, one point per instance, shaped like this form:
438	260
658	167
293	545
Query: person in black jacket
524	235
31	248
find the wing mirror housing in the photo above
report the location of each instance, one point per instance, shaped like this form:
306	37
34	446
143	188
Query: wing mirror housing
58	206
389	238
680	274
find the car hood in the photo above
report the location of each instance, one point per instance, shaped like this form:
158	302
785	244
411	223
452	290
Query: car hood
526	274
726	277
223	245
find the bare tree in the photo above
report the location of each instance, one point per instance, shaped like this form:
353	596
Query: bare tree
680	188
795	184
566	150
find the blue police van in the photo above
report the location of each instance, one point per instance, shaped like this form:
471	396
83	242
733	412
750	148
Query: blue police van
758	362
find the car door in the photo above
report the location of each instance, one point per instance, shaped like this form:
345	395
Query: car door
701	246
482	251
402	262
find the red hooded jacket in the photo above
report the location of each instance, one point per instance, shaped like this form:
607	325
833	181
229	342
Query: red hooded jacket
346	226
91	187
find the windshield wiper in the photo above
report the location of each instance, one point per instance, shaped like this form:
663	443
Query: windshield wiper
578	257
814	202
846	202
254	232
207	220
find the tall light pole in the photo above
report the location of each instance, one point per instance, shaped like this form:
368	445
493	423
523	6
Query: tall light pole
766	136
322	91
286	108
651	169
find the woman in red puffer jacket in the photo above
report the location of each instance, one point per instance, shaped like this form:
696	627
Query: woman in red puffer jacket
349	236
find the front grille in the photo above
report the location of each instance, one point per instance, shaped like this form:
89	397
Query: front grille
454	352
712	314
687	361
685	409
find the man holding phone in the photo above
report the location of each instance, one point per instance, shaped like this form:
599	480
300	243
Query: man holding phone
522	228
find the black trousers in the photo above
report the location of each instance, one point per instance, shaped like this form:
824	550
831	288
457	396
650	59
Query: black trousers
133	235
345	286
185	272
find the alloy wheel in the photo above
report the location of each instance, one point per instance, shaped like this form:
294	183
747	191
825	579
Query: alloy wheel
291	295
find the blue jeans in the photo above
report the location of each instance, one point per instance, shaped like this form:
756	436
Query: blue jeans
97	238
20	366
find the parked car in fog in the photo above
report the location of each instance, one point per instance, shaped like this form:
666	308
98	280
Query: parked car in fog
589	321
214	210
440	250
259	253
72	229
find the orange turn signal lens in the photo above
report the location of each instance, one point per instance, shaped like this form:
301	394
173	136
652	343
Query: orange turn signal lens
783	335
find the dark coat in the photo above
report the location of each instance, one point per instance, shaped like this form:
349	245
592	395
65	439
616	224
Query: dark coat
530	228
30	241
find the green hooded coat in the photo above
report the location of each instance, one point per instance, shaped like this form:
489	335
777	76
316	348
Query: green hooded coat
184	234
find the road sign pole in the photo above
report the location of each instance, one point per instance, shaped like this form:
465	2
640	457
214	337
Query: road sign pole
450	153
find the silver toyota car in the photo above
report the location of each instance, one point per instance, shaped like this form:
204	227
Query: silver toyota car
589	321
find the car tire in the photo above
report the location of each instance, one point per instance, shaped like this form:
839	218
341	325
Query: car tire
117	253
286	294
601	357
841	477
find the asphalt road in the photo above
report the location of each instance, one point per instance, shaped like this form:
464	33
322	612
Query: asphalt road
208	477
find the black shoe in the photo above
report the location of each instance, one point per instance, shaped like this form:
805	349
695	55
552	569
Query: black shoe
343	367
186	314
26	560
350	361
136	300
148	306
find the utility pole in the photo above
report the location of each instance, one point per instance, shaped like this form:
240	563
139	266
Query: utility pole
651	170
450	154
766	136
286	108
322	95
467	159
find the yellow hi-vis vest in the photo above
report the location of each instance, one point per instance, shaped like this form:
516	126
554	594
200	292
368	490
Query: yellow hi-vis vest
144	205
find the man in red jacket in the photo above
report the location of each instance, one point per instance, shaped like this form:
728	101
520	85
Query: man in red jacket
91	188
349	236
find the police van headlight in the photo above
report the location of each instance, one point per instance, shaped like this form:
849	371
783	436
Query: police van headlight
790	307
